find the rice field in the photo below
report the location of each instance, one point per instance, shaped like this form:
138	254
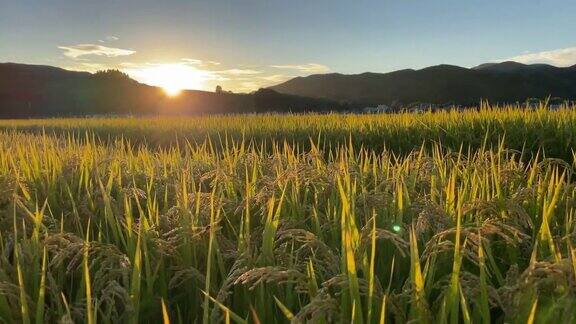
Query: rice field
433	218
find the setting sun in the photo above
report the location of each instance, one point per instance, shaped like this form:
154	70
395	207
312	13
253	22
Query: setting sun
172	91
173	78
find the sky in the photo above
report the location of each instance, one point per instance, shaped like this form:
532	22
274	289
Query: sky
243	45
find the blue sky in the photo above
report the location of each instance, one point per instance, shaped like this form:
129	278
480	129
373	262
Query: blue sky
251	43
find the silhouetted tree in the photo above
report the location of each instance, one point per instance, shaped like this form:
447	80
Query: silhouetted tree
111	74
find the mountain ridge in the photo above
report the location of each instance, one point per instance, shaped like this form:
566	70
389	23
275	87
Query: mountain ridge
28	90
504	82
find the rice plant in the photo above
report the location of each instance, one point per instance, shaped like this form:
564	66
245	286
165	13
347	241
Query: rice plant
449	217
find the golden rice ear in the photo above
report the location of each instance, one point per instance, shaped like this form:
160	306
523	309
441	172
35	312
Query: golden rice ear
273	224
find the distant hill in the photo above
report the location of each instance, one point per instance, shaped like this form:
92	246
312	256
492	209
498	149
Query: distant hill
45	91
506	82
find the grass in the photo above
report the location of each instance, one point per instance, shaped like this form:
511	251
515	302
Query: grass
449	217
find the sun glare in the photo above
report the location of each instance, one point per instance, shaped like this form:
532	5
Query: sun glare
173	78
172	91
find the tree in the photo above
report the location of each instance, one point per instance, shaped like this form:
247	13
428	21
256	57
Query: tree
218	89
111	74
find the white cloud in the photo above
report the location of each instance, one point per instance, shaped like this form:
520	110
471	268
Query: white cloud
307	68
558	57
76	51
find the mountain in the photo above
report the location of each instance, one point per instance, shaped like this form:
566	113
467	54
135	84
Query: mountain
505	82
44	91
515	67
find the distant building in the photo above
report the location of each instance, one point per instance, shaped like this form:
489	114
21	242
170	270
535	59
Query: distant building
421	107
556	103
380	109
533	103
555	106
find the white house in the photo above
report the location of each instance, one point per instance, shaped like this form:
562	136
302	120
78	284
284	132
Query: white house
380	109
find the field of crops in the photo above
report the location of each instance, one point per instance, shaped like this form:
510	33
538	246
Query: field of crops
444	218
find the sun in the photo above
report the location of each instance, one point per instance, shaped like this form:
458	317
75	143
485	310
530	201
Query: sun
172	91
172	78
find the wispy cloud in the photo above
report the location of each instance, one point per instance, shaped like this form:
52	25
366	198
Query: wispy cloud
87	66
275	78
306	68
198	62
558	57
76	51
255	82
248	86
109	39
235	78
166	73
239	72
193	61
